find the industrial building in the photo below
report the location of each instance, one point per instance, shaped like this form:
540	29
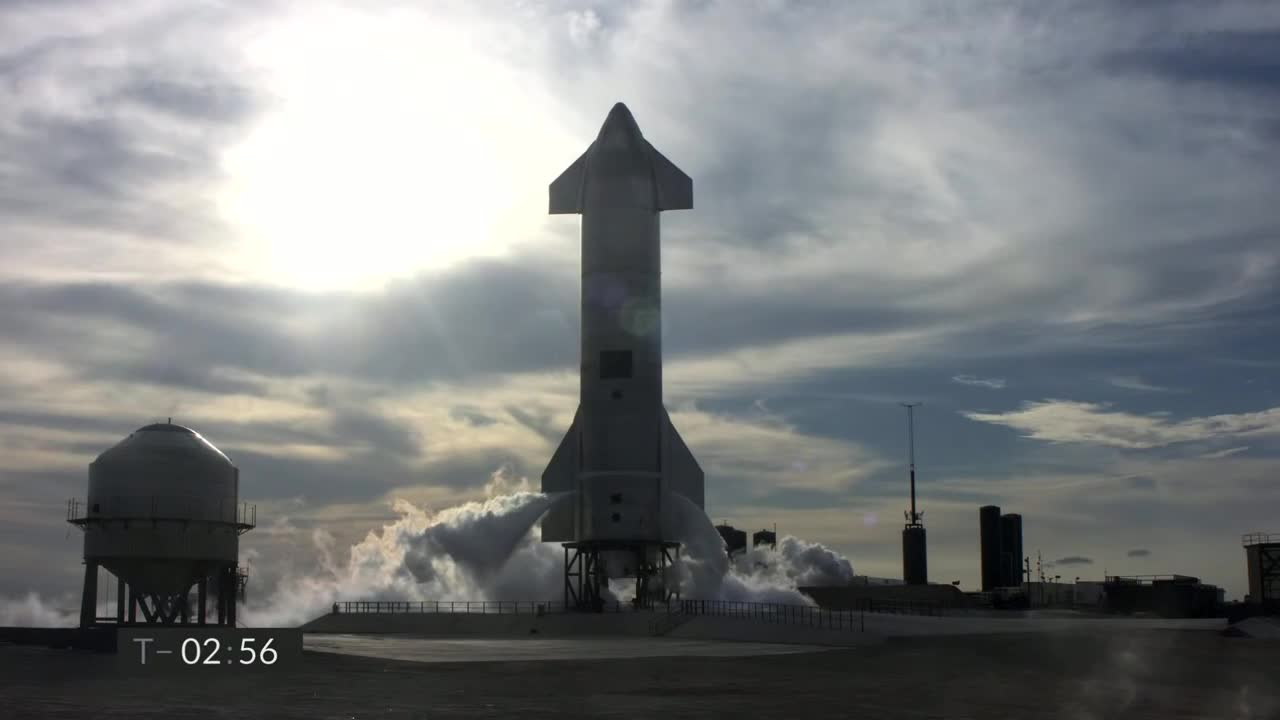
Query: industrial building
163	515
869	580
1011	550
735	540
1088	593
1173	596
761	538
885	595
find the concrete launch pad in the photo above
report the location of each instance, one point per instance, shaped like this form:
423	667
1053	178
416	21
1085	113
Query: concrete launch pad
1143	674
438	650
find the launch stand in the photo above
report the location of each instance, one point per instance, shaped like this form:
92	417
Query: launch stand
585	575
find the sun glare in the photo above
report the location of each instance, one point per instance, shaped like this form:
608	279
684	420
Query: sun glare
392	147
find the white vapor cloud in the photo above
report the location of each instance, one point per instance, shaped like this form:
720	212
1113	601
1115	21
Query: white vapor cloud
490	551
1133	382
993	383
475	551
1224	453
32	610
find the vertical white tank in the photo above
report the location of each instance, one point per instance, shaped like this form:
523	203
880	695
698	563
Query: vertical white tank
163	510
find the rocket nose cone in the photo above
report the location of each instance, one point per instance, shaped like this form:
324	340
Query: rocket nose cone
620	127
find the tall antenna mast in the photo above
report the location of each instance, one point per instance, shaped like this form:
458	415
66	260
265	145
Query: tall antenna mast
914	517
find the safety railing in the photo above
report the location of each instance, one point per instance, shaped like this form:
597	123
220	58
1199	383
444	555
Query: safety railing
474	607
243	516
850	618
1259	538
663	623
806	615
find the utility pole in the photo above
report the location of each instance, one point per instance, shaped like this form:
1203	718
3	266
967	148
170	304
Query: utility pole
1040	573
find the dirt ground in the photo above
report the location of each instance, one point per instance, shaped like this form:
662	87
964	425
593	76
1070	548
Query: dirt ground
1143	675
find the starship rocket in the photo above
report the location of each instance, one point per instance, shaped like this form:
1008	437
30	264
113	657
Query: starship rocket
621	456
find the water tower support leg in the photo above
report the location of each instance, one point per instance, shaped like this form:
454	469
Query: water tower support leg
120	593
133	607
89	600
202	592
149	614
227	595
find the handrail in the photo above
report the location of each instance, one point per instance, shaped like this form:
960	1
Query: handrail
849	618
663	624
244	516
1259	538
806	615
470	607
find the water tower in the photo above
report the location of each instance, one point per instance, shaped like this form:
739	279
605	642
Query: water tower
163	516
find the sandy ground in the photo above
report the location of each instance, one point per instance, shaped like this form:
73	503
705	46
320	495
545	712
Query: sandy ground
1165	674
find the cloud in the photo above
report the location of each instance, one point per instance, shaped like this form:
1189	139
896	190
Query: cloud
1073	560
1065	421
584	26
744	458
1138	553
131	109
1224	453
1237	59
177	225
1133	382
993	383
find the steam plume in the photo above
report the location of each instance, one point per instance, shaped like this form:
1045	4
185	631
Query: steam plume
475	551
33	611
761	575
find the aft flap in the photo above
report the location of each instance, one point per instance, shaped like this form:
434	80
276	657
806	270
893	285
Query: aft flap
561	475
684	475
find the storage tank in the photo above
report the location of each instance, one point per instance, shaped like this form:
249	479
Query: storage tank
915	559
989	535
1011	550
163	514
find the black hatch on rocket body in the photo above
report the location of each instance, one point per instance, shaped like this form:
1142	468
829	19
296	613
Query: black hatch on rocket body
615	364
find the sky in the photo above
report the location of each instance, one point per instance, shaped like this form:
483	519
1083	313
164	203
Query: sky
317	234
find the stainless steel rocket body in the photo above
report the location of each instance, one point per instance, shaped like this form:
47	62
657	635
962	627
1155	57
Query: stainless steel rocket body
622	455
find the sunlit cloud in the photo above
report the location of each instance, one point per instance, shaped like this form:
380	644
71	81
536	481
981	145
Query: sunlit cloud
318	233
1133	382
1065	421
993	383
